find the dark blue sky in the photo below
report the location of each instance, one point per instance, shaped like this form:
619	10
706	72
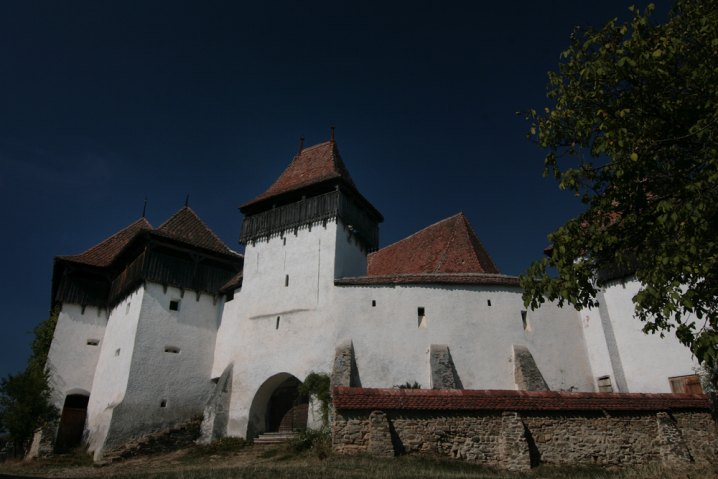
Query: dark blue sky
104	103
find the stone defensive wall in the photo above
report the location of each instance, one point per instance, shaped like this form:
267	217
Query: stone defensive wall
517	430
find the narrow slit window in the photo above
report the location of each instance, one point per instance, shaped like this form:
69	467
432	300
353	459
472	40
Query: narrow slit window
286	280
524	320
488	302
284	241
163	403
373	303
117	352
93	342
604	384
421	313
174	305
277	326
172	349
127	309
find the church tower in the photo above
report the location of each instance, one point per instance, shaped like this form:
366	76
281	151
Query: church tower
310	227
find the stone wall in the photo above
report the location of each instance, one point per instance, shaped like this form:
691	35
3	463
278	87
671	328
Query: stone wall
552	428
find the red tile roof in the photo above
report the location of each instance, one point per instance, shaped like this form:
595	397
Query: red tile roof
312	165
449	246
233	283
471	400
184	226
421	278
187	227
105	252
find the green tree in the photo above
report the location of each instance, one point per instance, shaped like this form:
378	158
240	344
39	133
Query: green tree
632	130
26	398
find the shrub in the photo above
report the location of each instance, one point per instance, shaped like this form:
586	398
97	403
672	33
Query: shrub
317	441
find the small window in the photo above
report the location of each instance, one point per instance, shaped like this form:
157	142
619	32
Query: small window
373	303
117	352
174	305
93	342
277	326
284	241
488	302
524	320
163	403
690	384
286	280
172	349
127	309
604	384
423	322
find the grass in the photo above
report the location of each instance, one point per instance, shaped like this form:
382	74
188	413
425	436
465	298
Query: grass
234	459
284	466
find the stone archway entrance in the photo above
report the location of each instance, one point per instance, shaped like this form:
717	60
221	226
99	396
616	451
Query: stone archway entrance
278	406
286	410
72	422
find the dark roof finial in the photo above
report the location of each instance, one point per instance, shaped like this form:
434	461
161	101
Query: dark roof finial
332	130
144	208
186	201
301	143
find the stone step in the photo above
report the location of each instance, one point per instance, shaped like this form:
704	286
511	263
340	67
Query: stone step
274	437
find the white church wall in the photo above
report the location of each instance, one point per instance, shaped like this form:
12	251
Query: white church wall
599	356
169	379
391	342
74	350
285	273
302	343
113	369
350	256
647	360
270	328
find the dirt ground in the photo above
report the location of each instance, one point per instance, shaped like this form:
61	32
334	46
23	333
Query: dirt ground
79	465
281	462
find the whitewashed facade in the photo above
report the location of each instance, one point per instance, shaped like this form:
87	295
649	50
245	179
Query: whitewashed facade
153	352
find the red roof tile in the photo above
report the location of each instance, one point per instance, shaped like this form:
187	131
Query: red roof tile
312	165
503	400
449	246
233	283
105	252
184	226
187	227
440	278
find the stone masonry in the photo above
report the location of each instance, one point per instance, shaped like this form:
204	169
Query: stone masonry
443	371
527	375
345	372
543	427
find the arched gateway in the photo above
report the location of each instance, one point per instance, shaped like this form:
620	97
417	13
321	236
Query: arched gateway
72	421
278	406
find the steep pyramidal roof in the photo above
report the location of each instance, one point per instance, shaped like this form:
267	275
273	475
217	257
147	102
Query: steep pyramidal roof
187	227
447	247
310	166
104	253
184	226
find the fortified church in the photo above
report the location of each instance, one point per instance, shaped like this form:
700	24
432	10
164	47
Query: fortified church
158	325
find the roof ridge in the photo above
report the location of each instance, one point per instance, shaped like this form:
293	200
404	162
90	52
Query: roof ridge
313	147
310	166
473	237
196	217
139	225
449	244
